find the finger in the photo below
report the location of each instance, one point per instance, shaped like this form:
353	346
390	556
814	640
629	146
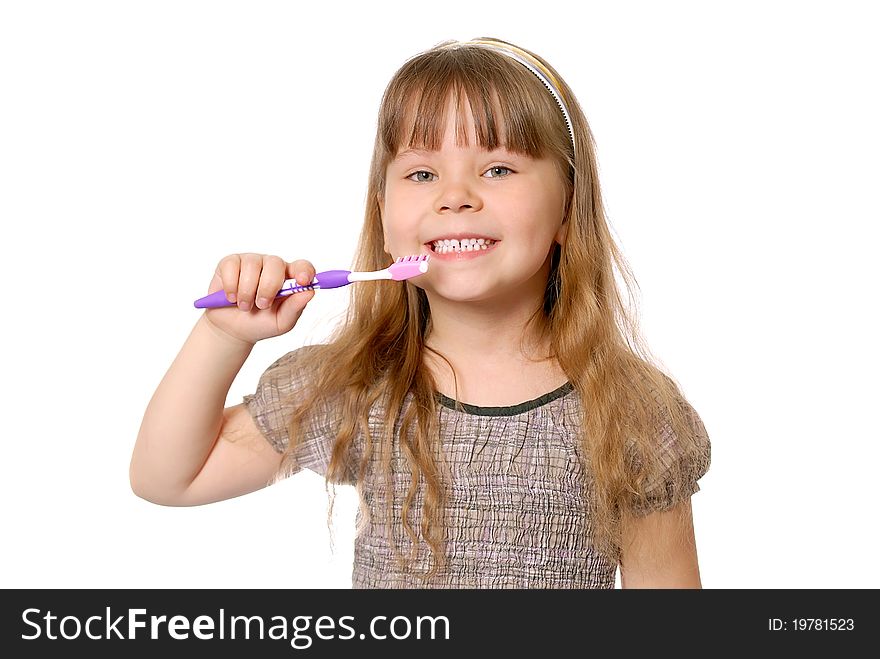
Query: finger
302	270
228	270
248	279
271	280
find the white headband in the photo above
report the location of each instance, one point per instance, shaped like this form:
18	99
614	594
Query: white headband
548	79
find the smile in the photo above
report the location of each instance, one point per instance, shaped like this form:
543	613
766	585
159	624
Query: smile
464	245
454	250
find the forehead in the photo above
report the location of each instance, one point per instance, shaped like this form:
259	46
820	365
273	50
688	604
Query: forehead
472	120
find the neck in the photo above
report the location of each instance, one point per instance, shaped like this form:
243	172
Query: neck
493	331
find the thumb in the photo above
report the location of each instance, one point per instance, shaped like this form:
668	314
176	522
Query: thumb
216	283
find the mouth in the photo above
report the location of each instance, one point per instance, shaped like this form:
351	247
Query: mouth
455	250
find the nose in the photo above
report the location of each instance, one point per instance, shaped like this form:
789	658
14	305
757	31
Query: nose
456	195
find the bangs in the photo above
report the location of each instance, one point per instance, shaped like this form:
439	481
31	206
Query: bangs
509	109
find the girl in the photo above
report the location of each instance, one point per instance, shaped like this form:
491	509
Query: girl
499	415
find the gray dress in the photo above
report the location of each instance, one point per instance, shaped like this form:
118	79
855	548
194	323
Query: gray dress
516	516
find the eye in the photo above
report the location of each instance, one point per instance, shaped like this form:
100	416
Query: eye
497	172
499	167
419	180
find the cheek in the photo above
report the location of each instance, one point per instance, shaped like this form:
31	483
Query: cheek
396	219
397	231
544	218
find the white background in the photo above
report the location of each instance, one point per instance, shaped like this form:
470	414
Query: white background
142	141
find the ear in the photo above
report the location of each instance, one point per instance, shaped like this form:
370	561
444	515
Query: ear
561	233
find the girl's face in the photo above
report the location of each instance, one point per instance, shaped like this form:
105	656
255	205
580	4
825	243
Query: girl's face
514	200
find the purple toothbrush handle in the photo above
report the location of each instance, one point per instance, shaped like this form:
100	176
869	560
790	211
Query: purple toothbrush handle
326	279
212	301
333	278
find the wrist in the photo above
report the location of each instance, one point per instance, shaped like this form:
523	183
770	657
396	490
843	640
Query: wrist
227	339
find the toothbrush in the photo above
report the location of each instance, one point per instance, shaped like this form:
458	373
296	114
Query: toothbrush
403	268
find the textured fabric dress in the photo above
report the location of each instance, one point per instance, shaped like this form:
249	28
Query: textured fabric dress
516	516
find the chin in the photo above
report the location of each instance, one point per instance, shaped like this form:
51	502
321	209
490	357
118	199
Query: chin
454	293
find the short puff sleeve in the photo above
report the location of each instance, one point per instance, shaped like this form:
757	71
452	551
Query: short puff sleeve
271	411
679	473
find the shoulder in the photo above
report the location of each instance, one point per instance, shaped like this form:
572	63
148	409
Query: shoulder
288	375
285	366
297	355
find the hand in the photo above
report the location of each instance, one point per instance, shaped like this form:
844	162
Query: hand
252	278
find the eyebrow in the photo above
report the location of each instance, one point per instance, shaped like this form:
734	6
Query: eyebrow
408	152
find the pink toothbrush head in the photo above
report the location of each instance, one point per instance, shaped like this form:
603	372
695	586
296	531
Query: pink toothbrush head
409	266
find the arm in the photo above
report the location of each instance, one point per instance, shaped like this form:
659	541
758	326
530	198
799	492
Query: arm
183	455
659	550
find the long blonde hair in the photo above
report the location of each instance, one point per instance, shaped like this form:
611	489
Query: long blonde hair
375	356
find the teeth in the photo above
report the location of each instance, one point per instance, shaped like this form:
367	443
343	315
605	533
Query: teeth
466	245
